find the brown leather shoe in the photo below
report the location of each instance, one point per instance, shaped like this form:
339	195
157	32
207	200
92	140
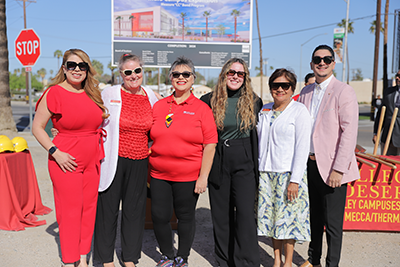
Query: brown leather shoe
306	264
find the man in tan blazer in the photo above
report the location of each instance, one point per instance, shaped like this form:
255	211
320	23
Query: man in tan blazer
332	164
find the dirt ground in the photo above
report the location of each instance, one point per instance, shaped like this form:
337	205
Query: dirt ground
39	246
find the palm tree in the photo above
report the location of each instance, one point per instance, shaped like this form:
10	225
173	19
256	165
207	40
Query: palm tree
42	73
206	14
183	16
373	27
131	18
235	13
119	18
7	122
112	68
98	66
58	54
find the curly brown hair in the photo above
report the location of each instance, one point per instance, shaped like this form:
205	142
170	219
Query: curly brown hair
245	105
90	84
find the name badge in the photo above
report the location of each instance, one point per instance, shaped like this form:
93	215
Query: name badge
115	102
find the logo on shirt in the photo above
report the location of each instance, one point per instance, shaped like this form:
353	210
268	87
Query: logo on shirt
188	112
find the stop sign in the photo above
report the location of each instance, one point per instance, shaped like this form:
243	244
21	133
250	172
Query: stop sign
27	47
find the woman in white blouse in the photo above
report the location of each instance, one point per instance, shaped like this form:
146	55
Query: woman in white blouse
284	130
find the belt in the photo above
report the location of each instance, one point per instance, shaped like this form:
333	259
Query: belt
236	142
100	133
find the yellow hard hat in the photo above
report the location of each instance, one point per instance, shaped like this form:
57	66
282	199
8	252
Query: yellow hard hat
20	144
6	144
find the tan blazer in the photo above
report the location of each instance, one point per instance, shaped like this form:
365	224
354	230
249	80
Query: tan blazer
335	130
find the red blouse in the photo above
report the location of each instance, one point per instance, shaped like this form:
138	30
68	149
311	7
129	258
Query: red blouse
134	125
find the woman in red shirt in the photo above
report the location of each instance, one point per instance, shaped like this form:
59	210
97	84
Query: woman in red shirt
73	103
185	136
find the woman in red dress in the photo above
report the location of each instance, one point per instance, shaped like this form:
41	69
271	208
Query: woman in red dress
73	103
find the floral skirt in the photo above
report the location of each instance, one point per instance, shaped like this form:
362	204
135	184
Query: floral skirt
278	217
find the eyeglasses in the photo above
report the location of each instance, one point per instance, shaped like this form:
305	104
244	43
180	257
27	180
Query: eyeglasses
129	72
327	59
71	65
284	86
232	73
185	74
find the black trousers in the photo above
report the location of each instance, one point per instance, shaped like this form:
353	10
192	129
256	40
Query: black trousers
130	187
326	210
167	196
232	208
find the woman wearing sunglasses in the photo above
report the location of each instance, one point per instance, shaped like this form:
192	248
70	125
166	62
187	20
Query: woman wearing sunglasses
184	136
284	130
73	103
124	168
234	176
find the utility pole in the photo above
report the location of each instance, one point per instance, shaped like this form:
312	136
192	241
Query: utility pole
26	74
346	31
376	55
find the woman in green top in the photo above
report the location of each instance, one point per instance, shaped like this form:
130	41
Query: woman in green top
233	179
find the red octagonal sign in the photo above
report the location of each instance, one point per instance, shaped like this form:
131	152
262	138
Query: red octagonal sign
27	47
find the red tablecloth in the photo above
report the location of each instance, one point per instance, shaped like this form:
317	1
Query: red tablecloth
20	198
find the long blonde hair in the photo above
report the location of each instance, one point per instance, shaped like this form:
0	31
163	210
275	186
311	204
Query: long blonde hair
245	104
90	84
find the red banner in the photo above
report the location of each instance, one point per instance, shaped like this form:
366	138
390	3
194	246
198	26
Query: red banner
373	201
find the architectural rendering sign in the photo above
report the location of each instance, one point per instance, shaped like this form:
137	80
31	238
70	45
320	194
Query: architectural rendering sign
209	32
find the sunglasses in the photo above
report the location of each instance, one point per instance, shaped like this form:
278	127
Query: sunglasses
129	72
284	86
185	74
327	59
71	65
232	73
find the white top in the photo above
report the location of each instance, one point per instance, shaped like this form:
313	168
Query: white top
112	101
318	94
284	145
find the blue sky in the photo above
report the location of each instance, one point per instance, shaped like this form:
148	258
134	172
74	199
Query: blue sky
285	25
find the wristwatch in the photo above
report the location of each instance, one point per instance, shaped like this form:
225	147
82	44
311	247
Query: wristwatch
52	150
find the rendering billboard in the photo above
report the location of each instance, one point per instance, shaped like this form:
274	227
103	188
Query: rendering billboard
209	32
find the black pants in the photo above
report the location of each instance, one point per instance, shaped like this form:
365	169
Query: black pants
167	196
232	207
326	210
128	186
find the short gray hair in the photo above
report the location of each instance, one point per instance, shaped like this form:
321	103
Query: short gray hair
129	57
182	60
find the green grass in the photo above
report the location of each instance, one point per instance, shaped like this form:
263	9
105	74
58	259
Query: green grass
363	118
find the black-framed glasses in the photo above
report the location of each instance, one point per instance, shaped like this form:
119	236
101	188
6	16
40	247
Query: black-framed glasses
71	65
177	74
284	86
327	59
240	74
129	72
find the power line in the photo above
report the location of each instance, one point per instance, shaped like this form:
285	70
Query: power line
313	28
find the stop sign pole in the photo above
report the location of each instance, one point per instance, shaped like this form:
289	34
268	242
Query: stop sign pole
27	51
